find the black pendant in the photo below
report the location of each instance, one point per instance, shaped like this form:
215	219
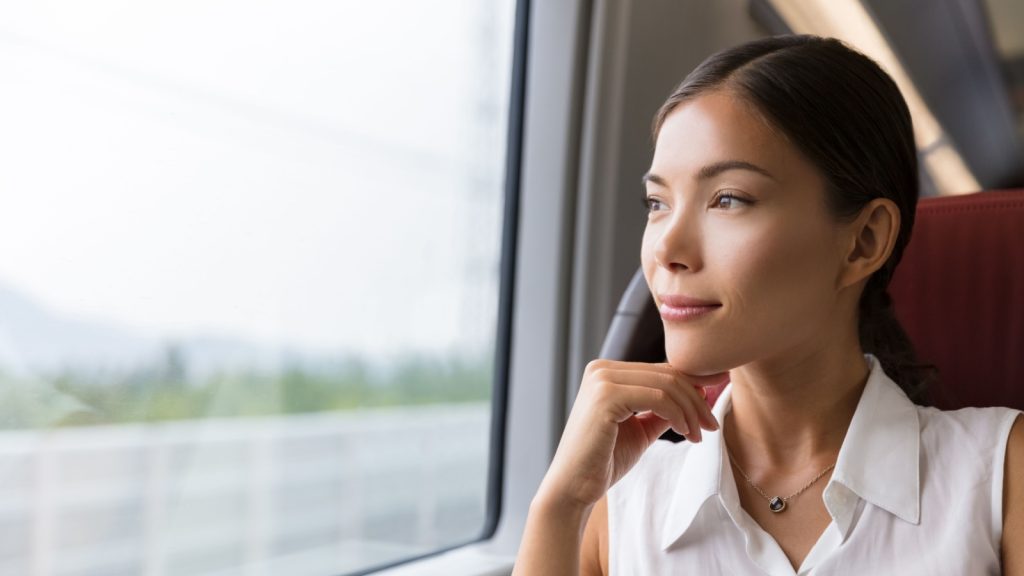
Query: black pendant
777	504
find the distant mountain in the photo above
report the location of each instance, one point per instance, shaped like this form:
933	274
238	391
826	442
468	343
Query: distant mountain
34	340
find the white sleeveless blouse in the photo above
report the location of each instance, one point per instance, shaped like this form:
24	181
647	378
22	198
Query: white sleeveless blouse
915	491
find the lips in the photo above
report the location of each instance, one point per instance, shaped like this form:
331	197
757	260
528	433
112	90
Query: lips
679	307
683	301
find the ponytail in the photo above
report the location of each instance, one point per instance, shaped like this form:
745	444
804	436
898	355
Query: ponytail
882	335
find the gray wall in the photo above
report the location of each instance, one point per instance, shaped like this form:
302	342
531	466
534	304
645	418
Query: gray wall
639	51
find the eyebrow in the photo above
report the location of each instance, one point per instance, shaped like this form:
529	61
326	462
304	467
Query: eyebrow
712	170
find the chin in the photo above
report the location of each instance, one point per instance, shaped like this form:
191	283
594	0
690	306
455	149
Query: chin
697	359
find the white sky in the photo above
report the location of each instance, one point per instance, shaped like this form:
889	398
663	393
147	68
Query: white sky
291	172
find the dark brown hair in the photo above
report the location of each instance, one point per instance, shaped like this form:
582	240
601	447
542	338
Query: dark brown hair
846	115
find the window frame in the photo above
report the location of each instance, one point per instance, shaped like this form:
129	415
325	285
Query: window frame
529	402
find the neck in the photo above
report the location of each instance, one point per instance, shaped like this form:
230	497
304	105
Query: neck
792	414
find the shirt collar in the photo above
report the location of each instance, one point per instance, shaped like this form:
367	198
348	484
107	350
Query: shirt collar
878	461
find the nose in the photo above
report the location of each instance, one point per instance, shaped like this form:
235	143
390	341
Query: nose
677	243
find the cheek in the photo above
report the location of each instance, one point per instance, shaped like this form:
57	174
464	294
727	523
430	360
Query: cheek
775	280
647	255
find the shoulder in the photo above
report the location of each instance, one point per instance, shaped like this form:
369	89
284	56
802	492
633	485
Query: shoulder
968	448
1015	452
979	430
1015	444
1013	501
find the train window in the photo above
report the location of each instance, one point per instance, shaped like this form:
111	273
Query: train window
249	283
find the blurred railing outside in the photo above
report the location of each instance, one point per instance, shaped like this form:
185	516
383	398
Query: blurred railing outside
318	494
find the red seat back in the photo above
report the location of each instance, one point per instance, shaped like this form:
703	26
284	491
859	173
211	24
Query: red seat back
959	293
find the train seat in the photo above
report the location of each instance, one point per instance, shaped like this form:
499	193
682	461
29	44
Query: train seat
959	293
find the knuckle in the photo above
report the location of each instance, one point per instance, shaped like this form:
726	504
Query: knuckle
661	396
594	365
601	389
595	379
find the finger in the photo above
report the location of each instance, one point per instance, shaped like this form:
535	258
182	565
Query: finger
707	416
672	381
663	367
624	401
692	421
708	420
690	425
653	425
699	381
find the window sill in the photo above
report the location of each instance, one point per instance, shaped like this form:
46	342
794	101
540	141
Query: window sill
471	560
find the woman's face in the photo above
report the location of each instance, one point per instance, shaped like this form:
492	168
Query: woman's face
738	217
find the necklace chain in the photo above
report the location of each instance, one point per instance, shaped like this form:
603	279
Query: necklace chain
761	492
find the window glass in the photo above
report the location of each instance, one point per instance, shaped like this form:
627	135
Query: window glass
249	277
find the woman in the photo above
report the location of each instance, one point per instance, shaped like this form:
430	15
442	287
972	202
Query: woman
781	196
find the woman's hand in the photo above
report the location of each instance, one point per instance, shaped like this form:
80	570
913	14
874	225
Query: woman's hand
605	436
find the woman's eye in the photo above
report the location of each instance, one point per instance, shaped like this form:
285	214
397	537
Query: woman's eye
652	204
724	200
727	200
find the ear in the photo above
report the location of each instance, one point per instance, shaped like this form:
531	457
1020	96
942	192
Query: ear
869	240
